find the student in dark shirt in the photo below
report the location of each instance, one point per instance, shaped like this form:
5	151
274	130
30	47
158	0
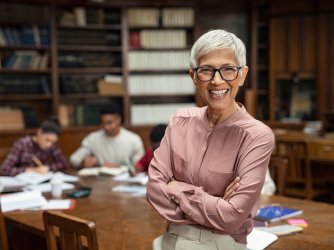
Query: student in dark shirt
36	153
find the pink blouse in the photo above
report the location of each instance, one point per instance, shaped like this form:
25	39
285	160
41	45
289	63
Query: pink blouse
204	161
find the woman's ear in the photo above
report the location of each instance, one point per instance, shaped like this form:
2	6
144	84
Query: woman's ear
192	75
243	75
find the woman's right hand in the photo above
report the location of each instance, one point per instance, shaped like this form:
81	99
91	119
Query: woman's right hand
231	188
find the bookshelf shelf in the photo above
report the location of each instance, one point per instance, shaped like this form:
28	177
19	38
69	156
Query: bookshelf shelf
83	96
25	47
89	48
26	71
159	71
25	97
92	27
90	70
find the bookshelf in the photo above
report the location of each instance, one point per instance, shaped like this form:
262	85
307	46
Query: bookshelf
100	53
25	74
158	61
88	51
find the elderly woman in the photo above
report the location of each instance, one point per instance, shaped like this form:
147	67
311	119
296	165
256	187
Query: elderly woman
205	149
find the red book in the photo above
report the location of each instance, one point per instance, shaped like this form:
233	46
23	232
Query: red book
134	40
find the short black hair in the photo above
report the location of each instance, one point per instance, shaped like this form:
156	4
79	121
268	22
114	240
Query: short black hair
157	132
112	109
51	125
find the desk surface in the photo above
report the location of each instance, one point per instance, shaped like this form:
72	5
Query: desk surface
126	222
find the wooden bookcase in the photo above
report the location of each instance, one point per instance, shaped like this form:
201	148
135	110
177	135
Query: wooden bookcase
91	43
160	39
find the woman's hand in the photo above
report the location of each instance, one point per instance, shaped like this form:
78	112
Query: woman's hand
231	188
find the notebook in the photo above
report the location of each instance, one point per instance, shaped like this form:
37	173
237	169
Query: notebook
273	213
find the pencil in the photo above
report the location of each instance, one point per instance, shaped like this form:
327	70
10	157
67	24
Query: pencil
37	161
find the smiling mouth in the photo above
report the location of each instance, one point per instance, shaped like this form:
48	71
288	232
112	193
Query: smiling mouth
218	93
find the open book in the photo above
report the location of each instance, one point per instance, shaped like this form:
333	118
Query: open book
103	170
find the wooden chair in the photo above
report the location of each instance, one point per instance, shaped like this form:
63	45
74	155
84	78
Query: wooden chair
3	233
299	181
277	168
74	233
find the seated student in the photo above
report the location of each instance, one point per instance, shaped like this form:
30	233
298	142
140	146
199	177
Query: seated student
38	153
110	146
155	137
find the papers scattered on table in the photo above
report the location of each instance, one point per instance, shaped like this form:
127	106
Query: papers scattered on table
65	177
31	178
102	170
22	200
10	184
140	178
46	187
135	190
258	240
59	204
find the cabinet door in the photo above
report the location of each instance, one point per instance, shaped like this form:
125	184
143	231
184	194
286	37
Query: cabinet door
292	40
292	68
326	67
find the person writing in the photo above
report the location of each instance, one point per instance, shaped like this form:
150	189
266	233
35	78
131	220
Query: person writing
38	153
205	149
110	146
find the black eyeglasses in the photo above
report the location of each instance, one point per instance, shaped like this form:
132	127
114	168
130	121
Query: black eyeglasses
227	73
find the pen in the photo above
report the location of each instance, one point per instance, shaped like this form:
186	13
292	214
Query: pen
37	161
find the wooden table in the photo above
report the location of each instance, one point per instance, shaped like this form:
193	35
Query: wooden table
126	222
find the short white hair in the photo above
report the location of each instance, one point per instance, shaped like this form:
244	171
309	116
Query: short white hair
218	39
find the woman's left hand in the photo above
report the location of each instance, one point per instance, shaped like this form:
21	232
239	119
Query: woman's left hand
231	188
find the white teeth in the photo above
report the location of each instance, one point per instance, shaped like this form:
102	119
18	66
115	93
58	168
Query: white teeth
218	92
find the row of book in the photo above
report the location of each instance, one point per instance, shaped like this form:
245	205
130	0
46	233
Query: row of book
158	39
79	114
142	114
27	60
86	16
158	60
166	17
77	84
160	84
33	35
23	13
24	84
68	60
89	37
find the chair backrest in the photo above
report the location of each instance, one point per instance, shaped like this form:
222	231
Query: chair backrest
74	233
277	168
299	175
3	233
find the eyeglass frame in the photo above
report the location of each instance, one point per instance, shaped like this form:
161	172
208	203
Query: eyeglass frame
218	70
